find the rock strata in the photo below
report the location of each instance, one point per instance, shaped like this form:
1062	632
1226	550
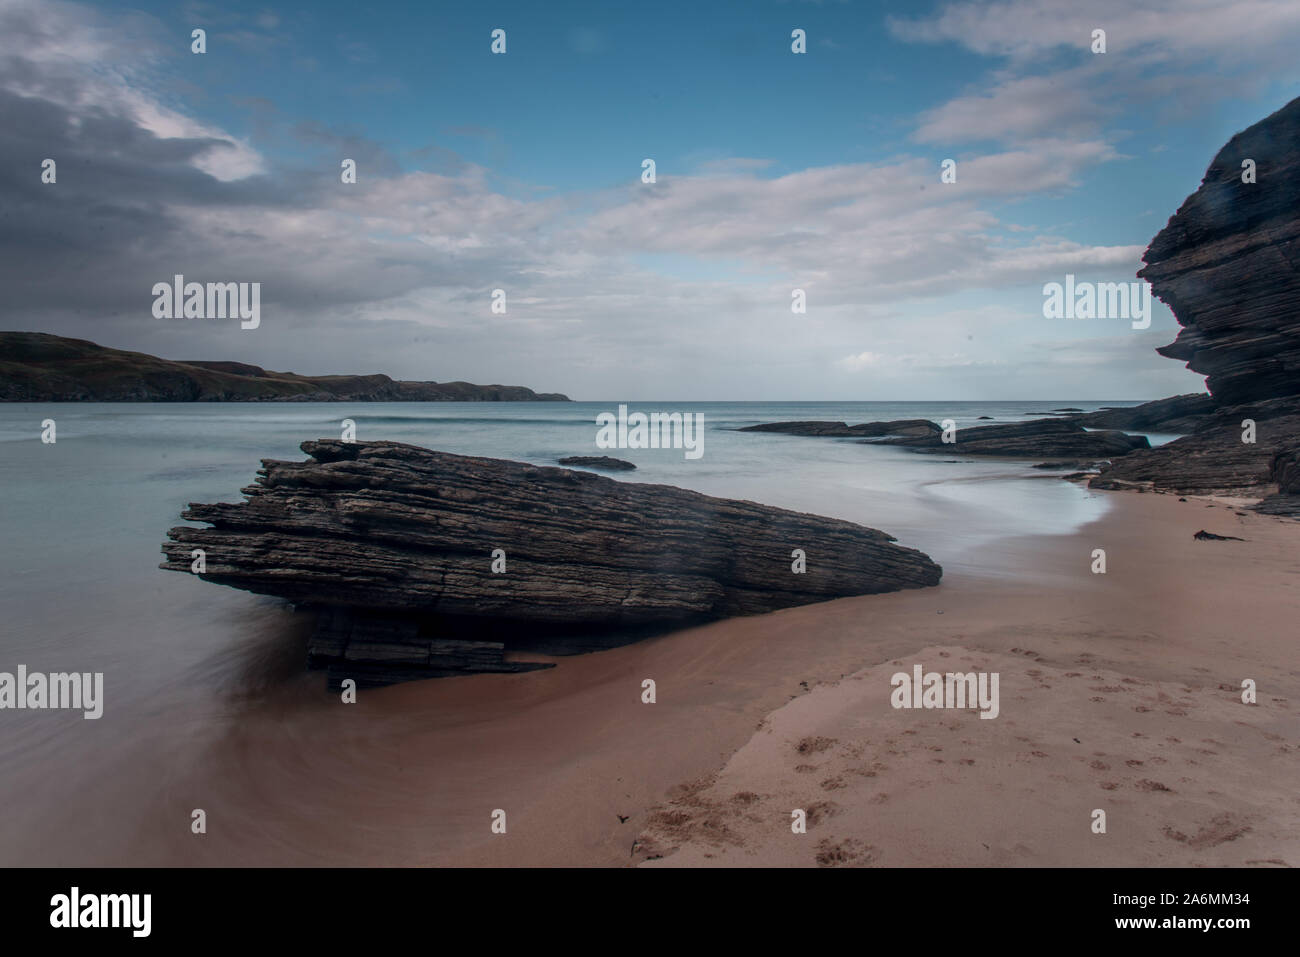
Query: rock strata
397	543
1228	265
1042	437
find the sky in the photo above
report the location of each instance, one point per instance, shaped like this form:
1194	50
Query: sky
522	171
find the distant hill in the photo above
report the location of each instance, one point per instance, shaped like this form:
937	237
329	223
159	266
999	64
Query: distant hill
37	367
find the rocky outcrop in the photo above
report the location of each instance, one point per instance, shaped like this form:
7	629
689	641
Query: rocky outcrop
606	462
1179	414
410	549
1228	265
37	367
907	427
1222	456
1043	437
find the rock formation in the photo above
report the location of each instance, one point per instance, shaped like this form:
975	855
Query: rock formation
1052	437
609	463
1180	414
37	367
1042	437
431	563
1228	265
1214	457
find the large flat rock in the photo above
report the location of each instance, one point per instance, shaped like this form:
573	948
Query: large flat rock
404	536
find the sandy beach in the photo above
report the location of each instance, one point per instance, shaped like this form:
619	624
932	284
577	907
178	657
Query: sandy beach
1119	692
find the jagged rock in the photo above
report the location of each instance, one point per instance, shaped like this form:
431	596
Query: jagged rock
1286	506
1180	413
1214	459
1043	437
1286	470
598	462
912	427
1228	265
399	541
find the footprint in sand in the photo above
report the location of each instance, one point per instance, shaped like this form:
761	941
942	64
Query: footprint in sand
847	852
819	811
815	745
1221	829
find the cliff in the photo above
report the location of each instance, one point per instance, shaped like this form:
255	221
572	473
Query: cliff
1227	265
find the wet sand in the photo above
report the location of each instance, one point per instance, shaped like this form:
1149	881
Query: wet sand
757	716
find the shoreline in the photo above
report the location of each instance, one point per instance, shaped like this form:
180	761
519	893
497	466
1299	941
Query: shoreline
418	769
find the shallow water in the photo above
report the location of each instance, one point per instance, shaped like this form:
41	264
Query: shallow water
187	662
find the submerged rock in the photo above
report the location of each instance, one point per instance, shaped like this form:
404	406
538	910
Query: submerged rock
413	550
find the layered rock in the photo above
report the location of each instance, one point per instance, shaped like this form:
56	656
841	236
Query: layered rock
1042	437
1228	265
1178	414
399	543
37	367
1223	455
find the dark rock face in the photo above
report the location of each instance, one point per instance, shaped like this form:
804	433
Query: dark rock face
1286	470
1214	458
36	367
1043	437
598	462
1228	265
397	542
844	430
1181	413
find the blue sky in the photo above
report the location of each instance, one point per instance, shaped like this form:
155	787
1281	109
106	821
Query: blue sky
521	171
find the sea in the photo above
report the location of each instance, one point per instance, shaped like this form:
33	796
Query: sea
83	519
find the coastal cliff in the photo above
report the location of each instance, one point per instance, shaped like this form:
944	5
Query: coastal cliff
1226	264
38	367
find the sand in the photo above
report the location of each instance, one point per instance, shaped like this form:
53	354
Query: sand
1118	692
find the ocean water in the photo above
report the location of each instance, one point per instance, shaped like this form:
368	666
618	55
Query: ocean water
183	659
